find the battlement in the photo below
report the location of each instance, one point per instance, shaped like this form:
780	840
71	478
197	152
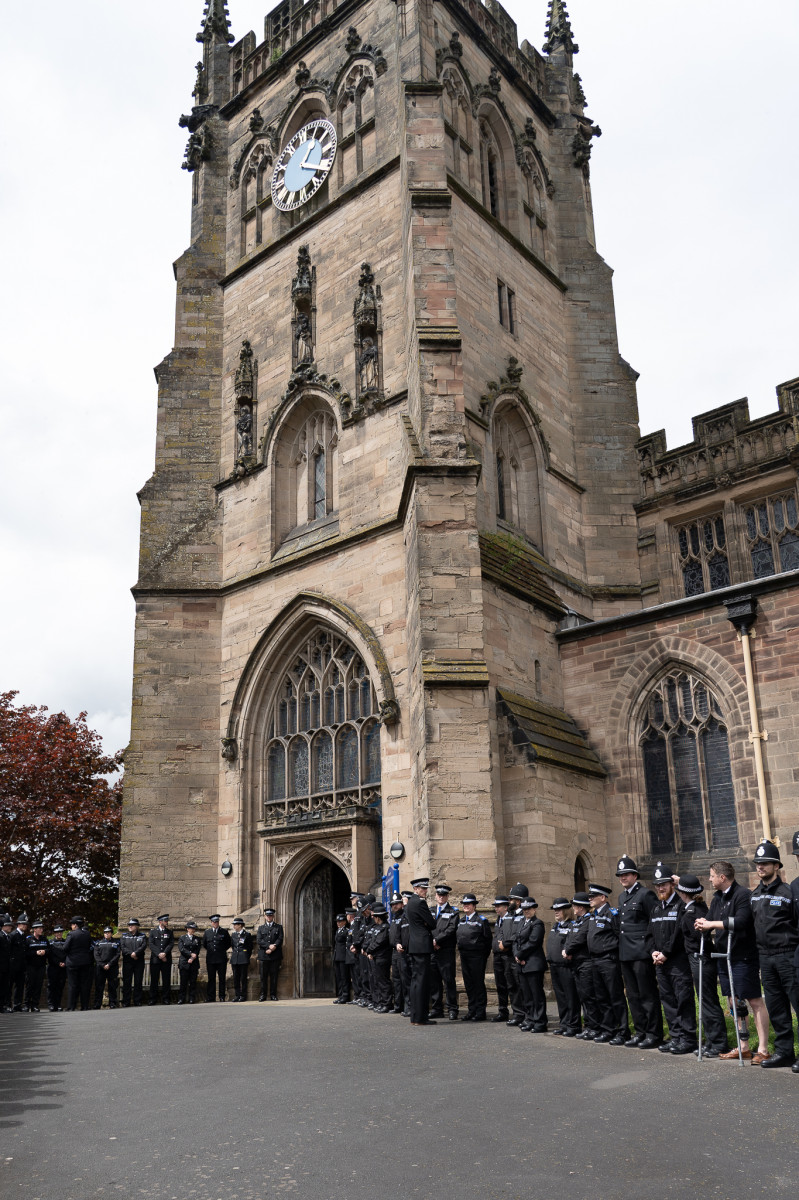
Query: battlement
727	447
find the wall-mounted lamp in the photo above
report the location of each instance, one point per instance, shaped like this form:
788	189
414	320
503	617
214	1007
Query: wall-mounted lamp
227	868
396	850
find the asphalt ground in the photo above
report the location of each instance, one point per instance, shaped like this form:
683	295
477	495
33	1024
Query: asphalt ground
315	1101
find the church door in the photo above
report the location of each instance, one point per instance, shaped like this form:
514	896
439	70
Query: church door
324	893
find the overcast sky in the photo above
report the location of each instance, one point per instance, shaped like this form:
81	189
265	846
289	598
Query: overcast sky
695	195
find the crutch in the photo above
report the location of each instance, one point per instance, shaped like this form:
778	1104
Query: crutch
701	959
733	1005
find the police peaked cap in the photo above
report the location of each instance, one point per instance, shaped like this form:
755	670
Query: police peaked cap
37	925
581	898
690	885
133	921
421	882
215	917
340	917
767	852
662	874
469	898
409	894
596	889
795	843
76	920
443	887
238	921
108	929
501	900
560	902
191	924
379	910
519	891
529	902
165	917
58	929
269	912
627	866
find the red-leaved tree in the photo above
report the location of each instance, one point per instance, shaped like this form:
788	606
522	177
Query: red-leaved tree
59	817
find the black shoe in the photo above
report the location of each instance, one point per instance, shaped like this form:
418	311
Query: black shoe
540	1028
501	1016
603	1037
570	1033
261	997
437	1015
151	1003
33	1008
778	1060
480	1017
51	1007
395	1011
515	1021
526	1027
618	1040
635	1040
406	1012
467	1017
181	1001
559	1032
335	1001
665	1047
795	1068
453	1016
427	1022
681	1048
273	997
708	1052
191	1000
17	1008
651	1043
126	1003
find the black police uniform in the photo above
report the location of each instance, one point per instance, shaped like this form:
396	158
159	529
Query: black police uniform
240	953
638	970
398	989
515	993
380	958
442	961
473	937
269	964
18	963
217	943
502	958
405	964
106	954
355	942
56	973
36	954
603	946
189	946
561	973
775	917
340	967
367	965
674	976
576	946
79	958
352	958
162	941
421	923
528	950
5	971
132	968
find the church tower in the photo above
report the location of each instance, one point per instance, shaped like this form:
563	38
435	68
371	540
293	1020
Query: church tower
396	453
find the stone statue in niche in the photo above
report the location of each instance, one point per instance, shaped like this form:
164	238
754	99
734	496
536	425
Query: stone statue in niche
244	430
304	337
368	366
303	306
245	373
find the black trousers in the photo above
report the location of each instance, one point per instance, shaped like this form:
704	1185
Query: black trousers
781	993
56	978
34	981
268	970
240	973
420	987
609	995
535	1005
79	981
381	981
442	981
641	986
355	976
18	984
398	980
132	976
364	978
343	972
503	980
515	991
714	1026
187	987
103	979
216	974
5	986
568	1000
677	994
160	971
584	982
473	969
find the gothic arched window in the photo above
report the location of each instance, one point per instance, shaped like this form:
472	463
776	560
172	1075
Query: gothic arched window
688	780
323	741
458	126
491	170
306	477
256	198
516	475
357	143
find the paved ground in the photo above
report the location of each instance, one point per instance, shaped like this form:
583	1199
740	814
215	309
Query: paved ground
317	1102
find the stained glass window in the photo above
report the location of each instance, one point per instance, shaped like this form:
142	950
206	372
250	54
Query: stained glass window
772	531
323	762
276	767
347	754
298	767
702	549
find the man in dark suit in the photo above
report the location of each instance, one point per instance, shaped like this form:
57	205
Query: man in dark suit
421	924
636	905
217	943
162	940
79	959
270	954
19	958
240	953
442	960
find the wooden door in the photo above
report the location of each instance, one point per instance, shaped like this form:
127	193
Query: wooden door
316	920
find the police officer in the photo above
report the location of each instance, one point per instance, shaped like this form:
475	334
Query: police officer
517	893
240	953
473	937
106	967
671	965
501	943
603	946
162	941
635	955
397	954
528	951
561	973
442	960
421	924
79	959
365	966
575	952
380	958
5	962
133	944
351	960
56	969
19	961
342	971
697	947
354	938
189	946
269	938
775	912
217	943
35	966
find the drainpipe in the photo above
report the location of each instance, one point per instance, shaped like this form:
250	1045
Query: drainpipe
741	612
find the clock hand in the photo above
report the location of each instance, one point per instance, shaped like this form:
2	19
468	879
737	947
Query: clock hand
304	164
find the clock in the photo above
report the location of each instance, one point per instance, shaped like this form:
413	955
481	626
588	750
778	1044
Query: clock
304	165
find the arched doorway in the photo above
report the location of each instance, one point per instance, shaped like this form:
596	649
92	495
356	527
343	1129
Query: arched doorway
580	873
324	892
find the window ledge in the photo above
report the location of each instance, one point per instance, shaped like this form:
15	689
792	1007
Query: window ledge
304	536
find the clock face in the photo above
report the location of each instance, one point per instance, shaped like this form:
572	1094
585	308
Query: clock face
304	165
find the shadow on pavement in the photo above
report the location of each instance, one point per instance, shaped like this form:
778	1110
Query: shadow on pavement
29	1078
